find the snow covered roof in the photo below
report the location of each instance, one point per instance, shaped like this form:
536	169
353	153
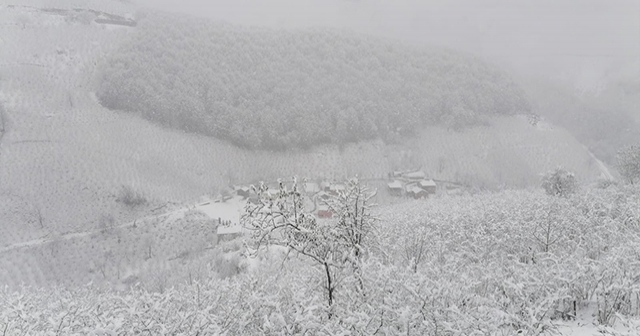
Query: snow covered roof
427	183
417	190
323	194
415	175
395	185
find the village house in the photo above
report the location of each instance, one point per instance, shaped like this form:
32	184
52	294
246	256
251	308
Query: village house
416	175
324	212
408	189
417	192
253	199
395	188
243	191
428	185
325	186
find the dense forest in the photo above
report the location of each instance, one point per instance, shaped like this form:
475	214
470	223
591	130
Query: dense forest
277	89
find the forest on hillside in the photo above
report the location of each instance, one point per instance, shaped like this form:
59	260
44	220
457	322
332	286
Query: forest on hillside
277	89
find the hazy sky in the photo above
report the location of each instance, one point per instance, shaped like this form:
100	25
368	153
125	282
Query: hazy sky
583	38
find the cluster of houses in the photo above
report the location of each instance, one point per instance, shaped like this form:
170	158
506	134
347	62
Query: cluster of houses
322	189
317	192
411	184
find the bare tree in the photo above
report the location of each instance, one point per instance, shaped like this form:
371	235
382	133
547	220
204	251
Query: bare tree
332	245
548	229
38	217
354	221
148	245
414	250
32	213
103	263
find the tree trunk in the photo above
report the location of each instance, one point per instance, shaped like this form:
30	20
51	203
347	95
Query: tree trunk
329	284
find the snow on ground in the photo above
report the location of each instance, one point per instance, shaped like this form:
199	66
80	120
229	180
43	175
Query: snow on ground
226	211
586	325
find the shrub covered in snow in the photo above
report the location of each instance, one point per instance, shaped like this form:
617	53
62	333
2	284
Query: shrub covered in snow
505	263
559	183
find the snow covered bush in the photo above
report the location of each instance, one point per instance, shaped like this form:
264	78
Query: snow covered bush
331	245
468	265
559	183
130	197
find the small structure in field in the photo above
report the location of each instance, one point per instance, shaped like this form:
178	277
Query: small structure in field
395	188
243	191
125	22
416	175
111	19
227	231
325	186
253	199
428	185
324	212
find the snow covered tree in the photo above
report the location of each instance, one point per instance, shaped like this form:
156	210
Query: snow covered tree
333	246
354	222
629	163
559	183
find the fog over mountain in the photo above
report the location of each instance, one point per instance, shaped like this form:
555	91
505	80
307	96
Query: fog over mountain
320	167
582	41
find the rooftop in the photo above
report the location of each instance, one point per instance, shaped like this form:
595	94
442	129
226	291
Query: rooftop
427	183
395	184
416	174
